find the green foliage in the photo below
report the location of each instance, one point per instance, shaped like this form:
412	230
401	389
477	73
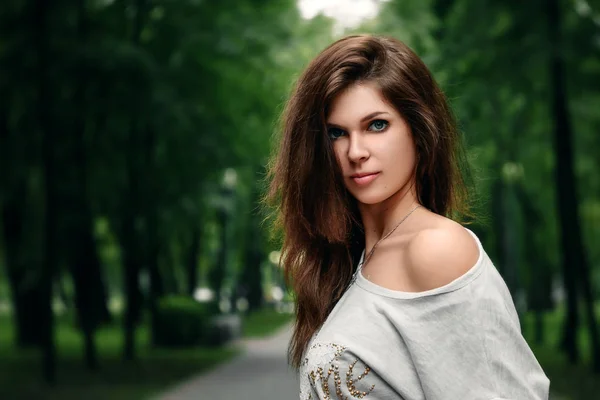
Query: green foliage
154	371
572	382
183	322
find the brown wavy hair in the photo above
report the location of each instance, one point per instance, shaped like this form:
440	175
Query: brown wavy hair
319	219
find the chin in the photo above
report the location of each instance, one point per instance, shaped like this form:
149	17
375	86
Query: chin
370	198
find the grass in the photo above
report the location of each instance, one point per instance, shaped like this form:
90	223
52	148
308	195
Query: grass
571	382
264	322
154	371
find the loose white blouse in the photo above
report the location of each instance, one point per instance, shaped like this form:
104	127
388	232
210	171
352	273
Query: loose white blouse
461	341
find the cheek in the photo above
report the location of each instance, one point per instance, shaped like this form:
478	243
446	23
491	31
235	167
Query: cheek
401	151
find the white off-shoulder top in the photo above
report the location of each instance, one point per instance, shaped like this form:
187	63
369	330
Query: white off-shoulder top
461	341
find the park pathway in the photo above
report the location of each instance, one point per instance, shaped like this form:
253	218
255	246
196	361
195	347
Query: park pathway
261	373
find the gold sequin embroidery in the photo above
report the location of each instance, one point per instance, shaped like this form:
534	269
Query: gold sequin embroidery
326	355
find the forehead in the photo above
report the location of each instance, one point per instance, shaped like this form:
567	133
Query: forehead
357	101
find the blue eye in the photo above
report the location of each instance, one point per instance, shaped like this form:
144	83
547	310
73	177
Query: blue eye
378	125
334	133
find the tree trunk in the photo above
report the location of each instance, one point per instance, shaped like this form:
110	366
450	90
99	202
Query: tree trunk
50	259
88	282
131	251
510	244
25	288
574	259
152	230
540	281
83	257
131	238
156	283
192	259
499	224
6	166
168	262
20	271
254	255
217	273
253	279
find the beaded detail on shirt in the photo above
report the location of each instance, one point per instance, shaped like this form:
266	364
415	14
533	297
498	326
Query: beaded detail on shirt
320	373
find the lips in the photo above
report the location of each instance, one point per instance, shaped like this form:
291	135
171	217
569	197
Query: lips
364	178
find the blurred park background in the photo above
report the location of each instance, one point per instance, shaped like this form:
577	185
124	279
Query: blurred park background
133	141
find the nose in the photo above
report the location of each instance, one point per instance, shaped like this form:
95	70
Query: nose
357	151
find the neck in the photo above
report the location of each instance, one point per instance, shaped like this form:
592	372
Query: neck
379	219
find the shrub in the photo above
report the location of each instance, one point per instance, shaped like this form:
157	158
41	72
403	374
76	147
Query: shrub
183	322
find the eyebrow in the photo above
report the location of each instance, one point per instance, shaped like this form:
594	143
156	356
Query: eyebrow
365	118
372	115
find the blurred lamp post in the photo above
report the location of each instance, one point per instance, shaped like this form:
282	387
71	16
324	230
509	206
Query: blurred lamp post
277	273
278	287
224	208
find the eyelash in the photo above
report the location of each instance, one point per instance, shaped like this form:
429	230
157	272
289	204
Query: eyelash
387	124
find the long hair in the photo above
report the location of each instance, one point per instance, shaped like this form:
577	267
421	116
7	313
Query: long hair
319	219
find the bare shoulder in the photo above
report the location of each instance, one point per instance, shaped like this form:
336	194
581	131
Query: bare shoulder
437	256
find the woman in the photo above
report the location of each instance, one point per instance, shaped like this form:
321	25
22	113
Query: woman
369	174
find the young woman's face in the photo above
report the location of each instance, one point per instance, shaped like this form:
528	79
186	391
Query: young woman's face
373	144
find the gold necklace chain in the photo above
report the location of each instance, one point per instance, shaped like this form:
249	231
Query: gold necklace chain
368	257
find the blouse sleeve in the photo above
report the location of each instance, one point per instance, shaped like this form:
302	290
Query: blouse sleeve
467	344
